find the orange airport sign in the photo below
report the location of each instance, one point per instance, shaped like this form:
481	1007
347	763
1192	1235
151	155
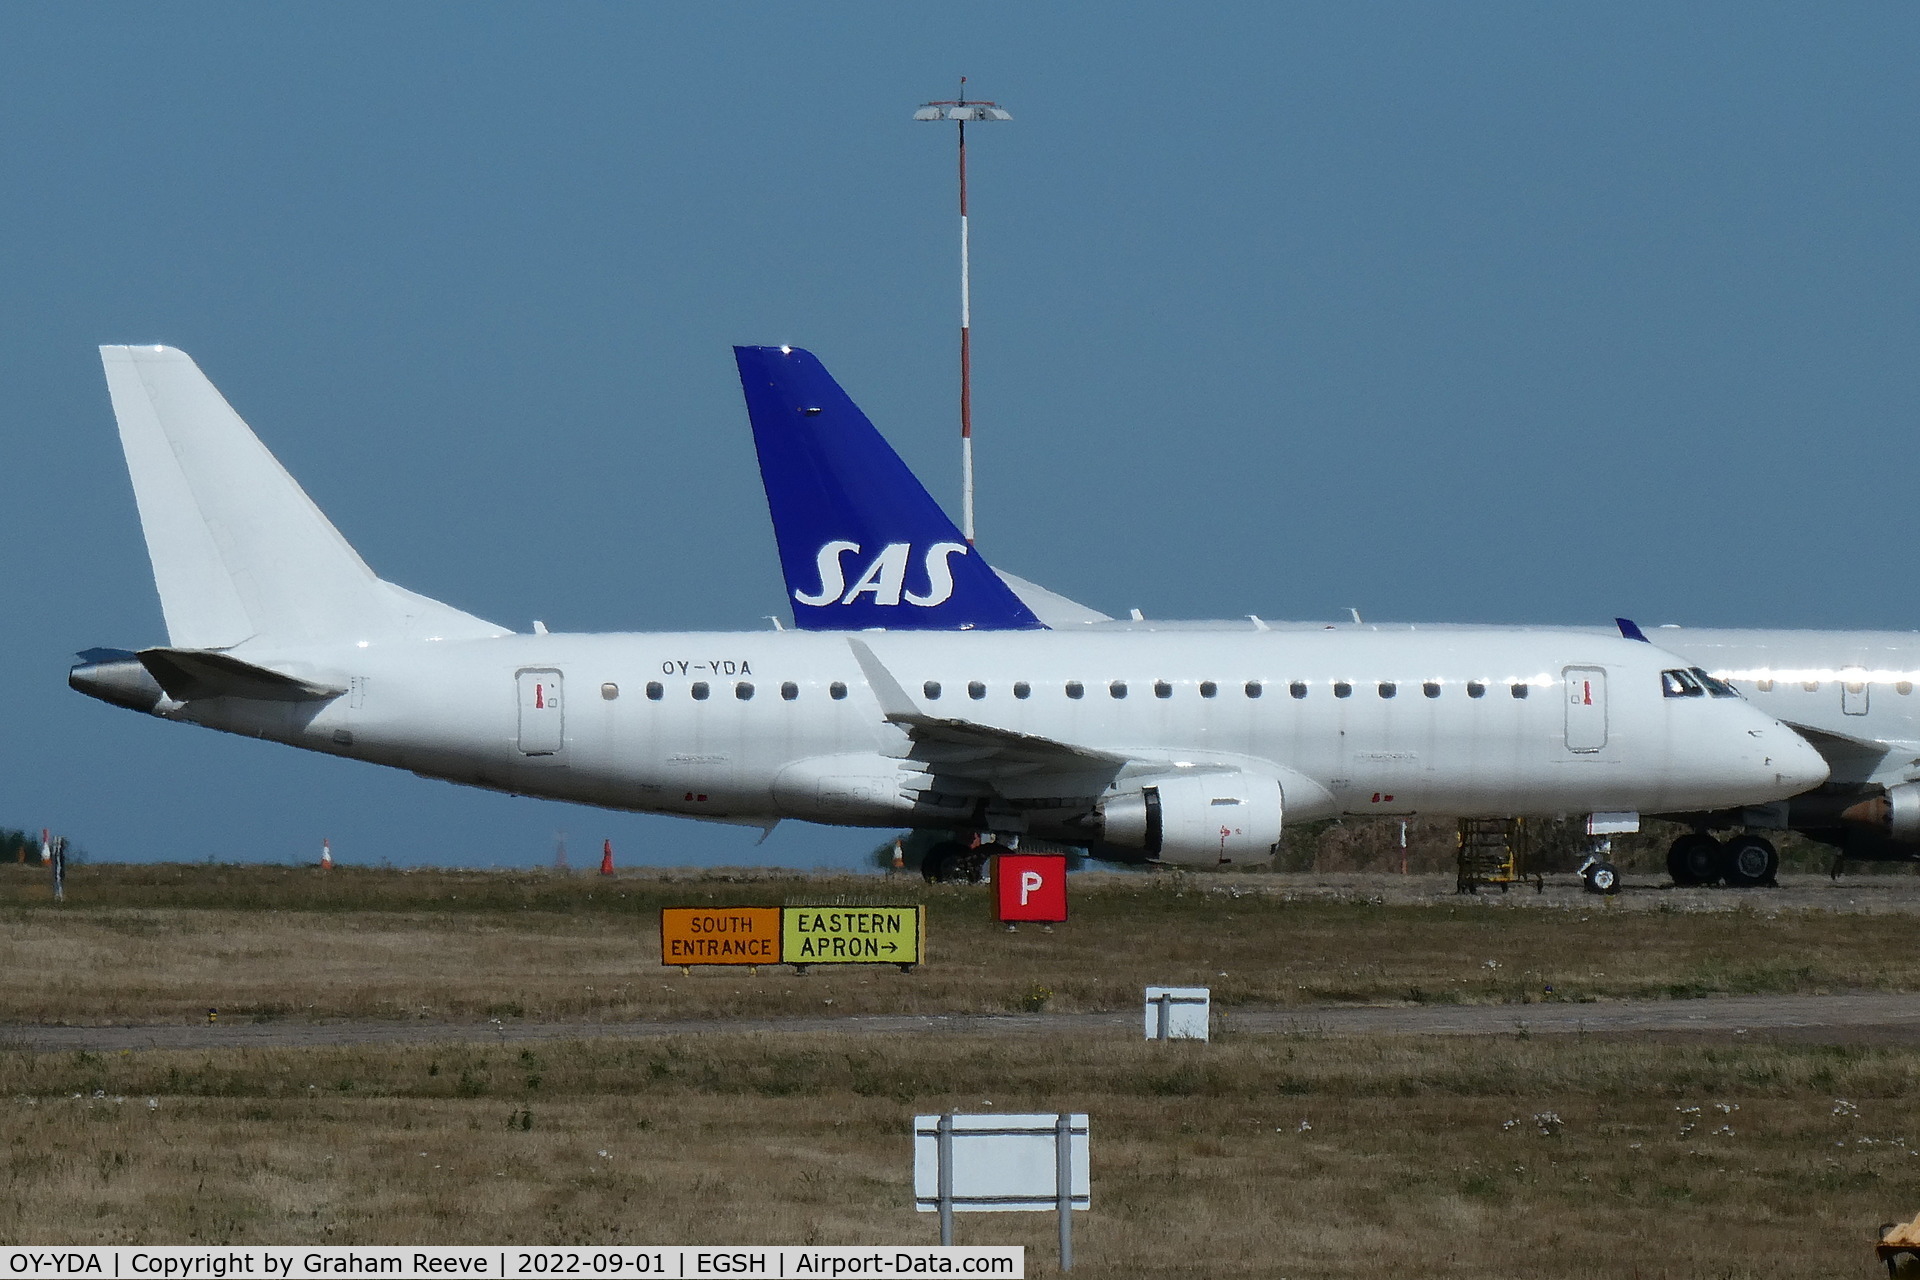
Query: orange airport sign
719	935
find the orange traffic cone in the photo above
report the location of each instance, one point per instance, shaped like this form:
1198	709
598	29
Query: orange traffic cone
899	856
326	855
606	858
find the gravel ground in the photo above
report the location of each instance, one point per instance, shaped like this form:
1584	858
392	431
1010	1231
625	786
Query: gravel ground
1869	894
1876	1016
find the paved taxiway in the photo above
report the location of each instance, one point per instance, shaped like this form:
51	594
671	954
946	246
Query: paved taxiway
1874	1016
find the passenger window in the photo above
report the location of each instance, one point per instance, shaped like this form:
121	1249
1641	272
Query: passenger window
932	689
1519	690
1021	689
699	690
1341	689
1855	686
789	690
976	690
1161	689
1680	684
743	691
1117	689
1476	689
1811	686
609	691
1075	689
836	691
1903	687
654	691
1431	688
1254	689
1208	688
1388	688
1764	686
1298	688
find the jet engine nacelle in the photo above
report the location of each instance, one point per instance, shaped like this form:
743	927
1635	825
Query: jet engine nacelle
1896	814
1200	820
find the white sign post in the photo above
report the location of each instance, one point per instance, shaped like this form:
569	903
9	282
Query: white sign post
1000	1164
1179	1013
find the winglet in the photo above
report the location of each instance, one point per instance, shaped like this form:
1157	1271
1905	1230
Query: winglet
862	543
1631	630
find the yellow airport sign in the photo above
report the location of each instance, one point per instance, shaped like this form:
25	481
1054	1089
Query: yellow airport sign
719	935
853	935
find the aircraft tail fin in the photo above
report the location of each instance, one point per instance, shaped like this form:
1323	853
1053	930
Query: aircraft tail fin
862	543
239	552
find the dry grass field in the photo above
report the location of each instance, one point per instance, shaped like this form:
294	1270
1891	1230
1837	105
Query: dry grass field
1299	1155
1294	1157
165	944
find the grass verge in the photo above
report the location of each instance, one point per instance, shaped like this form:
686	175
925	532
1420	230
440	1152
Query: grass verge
165	944
1297	1156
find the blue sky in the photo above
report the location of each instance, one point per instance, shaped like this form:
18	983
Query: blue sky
1481	312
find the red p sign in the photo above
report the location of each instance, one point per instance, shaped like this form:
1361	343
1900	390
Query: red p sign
1031	886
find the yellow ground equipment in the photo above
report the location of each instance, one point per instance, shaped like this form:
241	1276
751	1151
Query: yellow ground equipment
1494	851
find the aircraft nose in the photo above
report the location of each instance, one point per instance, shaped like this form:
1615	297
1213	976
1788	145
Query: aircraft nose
1790	760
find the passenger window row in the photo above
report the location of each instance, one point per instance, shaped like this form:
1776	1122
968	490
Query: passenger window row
1901	687
1209	689
743	690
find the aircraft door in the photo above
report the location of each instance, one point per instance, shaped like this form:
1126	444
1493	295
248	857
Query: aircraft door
1586	708
542	712
1853	691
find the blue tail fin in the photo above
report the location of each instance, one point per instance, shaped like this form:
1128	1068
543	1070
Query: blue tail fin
862	543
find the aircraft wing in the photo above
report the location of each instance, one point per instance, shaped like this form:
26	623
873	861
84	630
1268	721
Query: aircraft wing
1854	759
968	749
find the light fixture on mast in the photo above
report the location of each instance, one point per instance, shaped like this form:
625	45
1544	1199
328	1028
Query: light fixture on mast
960	111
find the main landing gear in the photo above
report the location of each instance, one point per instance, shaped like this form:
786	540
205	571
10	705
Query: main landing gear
950	862
1744	862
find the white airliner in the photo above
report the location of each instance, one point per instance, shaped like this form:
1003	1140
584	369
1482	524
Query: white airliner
1186	748
1853	694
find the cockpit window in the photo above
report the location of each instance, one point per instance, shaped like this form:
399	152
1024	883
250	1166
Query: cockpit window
1680	684
1717	687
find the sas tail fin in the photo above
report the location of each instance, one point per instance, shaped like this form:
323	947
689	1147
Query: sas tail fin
862	543
240	553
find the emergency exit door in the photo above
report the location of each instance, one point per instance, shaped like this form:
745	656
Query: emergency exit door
1586	708
1853	691
542	713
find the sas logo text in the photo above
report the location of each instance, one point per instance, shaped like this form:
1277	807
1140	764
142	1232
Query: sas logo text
885	578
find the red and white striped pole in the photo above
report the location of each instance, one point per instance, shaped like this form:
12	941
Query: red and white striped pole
960	111
966	345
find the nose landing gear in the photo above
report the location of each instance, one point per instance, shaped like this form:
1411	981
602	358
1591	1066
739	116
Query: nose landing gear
1597	873
1601	877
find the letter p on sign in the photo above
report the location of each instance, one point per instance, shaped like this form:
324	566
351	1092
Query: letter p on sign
1031	886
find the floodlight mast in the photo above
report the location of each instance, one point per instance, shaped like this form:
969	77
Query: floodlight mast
960	110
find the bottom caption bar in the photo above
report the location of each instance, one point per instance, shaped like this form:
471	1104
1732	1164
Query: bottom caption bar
282	1262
